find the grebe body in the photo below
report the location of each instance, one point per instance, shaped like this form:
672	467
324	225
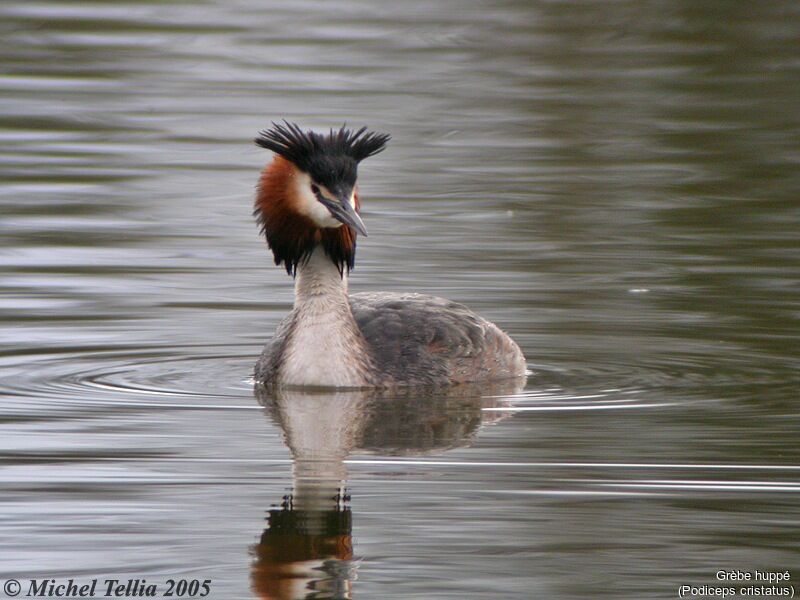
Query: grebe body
307	204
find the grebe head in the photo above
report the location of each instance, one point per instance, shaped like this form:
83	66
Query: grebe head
308	195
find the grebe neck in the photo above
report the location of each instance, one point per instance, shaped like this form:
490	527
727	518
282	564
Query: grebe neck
325	346
319	281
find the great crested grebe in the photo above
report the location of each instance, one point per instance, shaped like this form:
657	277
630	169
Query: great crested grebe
307	206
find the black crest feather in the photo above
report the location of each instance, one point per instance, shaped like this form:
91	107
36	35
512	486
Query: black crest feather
327	158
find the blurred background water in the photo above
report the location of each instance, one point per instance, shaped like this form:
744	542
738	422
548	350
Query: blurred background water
614	183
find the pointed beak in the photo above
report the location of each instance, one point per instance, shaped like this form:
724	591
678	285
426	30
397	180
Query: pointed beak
344	212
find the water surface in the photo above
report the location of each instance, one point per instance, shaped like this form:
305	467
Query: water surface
615	184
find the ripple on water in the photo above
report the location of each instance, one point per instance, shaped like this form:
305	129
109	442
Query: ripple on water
191	376
218	378
221	377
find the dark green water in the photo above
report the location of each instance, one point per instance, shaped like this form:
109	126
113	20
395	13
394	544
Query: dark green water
615	184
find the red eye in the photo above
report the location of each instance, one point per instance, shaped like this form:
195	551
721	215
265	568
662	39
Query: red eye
314	189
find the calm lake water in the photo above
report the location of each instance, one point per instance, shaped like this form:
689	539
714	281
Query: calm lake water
615	184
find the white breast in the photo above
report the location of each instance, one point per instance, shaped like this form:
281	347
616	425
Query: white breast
318	352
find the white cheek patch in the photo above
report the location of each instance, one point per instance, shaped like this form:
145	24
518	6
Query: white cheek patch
308	205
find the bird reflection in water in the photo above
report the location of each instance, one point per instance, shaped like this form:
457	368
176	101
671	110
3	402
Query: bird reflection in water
306	551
